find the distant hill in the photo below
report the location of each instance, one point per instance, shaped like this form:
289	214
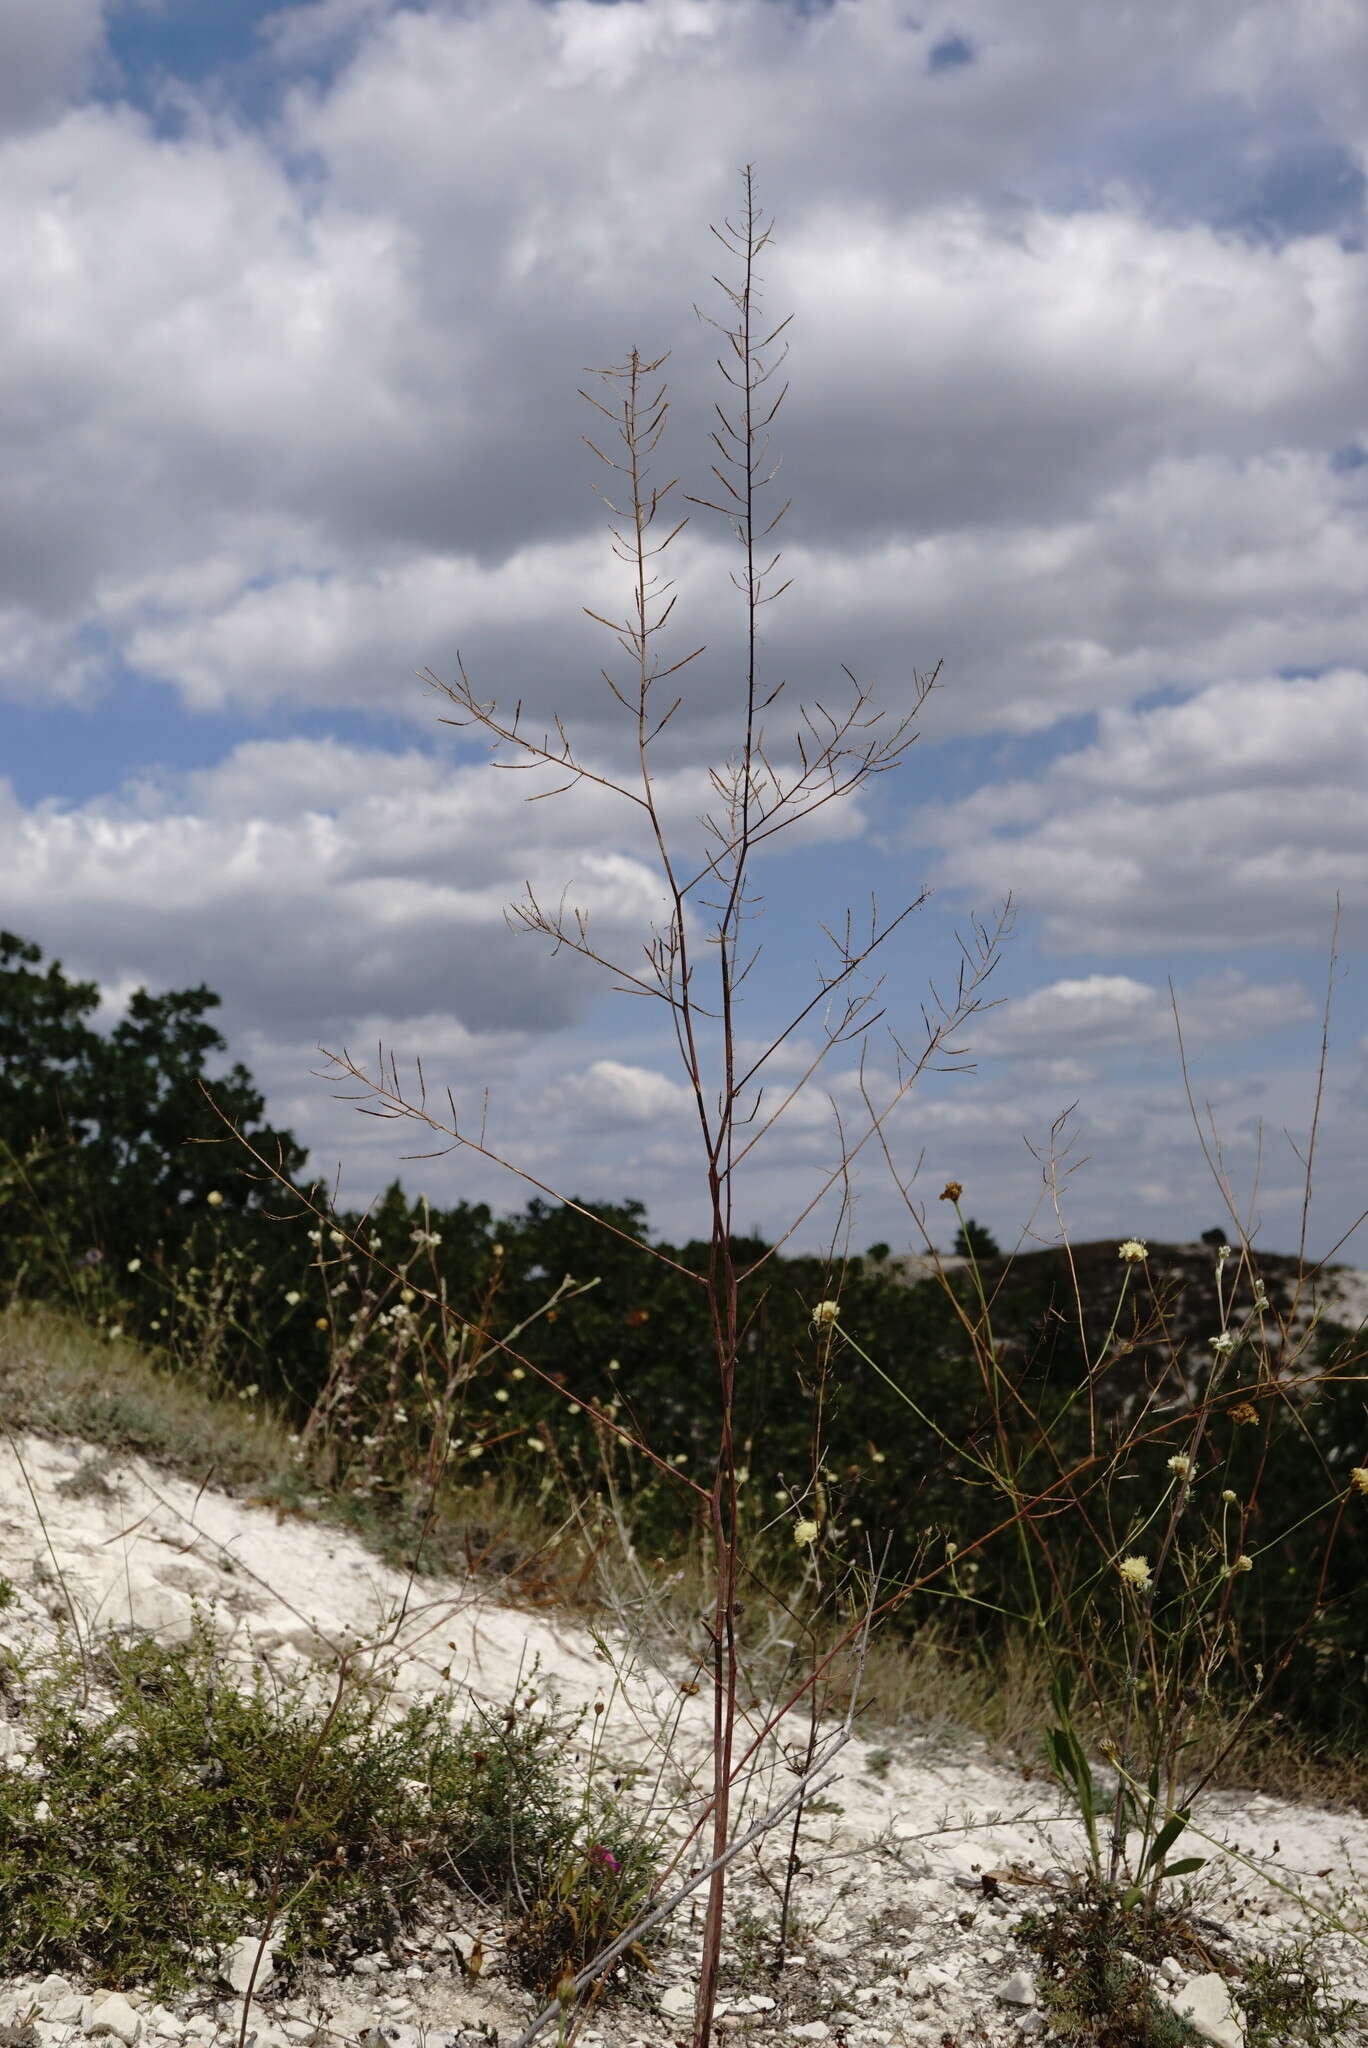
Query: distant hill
1171	1310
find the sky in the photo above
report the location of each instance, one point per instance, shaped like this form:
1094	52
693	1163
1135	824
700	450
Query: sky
299	303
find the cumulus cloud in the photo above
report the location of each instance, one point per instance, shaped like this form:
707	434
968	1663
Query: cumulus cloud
316	882
1099	1014
1232	818
295	406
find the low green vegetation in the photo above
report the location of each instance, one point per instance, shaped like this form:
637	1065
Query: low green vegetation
1098	1972
153	1830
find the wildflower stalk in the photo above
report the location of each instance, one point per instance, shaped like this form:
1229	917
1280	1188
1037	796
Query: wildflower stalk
758	797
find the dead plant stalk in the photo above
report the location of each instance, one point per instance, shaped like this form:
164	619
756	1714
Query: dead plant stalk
760	793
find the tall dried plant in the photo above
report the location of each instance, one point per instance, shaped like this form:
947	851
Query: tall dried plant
697	960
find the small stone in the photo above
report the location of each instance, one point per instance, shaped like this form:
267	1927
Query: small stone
112	2014
814	2030
677	2003
51	1989
1018	1989
240	1961
1173	1970
1206	2004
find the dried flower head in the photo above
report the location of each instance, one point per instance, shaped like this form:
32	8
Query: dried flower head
1133	1251
1243	1563
1229	1497
1136	1572
1358	1479
1223	1344
1243	1412
804	1532
214	1199
952	1191
1180	1465
825	1314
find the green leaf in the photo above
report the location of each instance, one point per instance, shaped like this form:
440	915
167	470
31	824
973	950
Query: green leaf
1164	1840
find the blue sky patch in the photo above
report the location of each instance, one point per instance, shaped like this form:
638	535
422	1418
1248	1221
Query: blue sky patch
951	53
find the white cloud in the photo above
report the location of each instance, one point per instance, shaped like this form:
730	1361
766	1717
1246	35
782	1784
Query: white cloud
1096	1014
1232	818
316	883
611	1093
294	408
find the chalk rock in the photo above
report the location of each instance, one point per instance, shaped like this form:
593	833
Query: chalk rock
1018	1989
112	2015
677	2003
238	1964
1207	2006
161	1611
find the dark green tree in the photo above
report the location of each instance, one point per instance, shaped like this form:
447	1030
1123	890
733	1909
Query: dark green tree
107	1143
974	1240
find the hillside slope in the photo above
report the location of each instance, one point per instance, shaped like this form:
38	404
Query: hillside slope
914	1865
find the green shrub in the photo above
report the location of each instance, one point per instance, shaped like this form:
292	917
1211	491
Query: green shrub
171	1824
